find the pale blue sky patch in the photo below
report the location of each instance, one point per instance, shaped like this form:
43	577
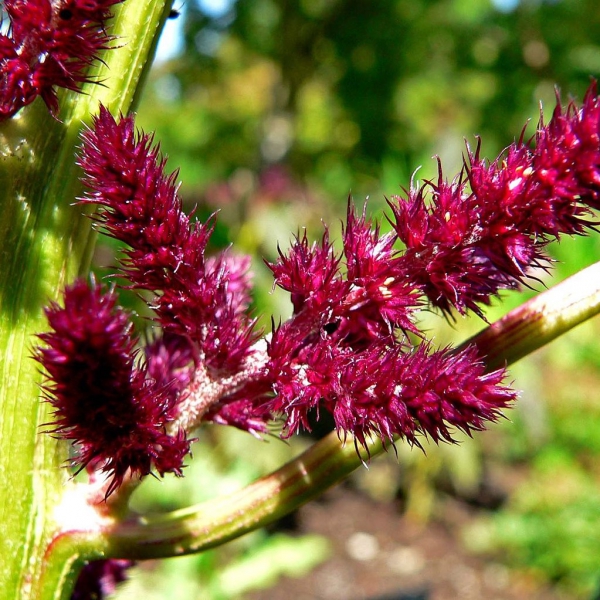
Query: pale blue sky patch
171	40
170	44
215	8
506	5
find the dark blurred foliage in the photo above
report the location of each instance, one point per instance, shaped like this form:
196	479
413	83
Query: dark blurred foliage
353	95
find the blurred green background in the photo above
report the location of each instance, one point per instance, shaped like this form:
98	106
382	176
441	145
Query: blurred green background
275	111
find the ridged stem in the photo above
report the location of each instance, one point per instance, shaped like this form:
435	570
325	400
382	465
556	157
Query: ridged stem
330	460
44	243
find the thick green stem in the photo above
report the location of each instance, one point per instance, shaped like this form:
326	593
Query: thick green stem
207	525
329	461
44	243
215	522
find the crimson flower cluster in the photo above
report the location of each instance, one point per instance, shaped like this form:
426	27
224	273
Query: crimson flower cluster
113	410
485	230
49	45
348	348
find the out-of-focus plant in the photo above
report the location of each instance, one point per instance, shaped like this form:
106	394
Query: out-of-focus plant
118	408
547	525
355	96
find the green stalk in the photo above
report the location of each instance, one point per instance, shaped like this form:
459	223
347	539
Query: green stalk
329	461
45	242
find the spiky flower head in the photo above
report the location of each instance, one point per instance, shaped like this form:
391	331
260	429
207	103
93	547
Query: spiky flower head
201	298
115	415
486	230
353	346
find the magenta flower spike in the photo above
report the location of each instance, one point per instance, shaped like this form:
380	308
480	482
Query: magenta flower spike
486	230
347	347
202	299
113	413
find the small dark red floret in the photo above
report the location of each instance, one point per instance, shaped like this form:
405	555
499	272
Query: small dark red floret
99	579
